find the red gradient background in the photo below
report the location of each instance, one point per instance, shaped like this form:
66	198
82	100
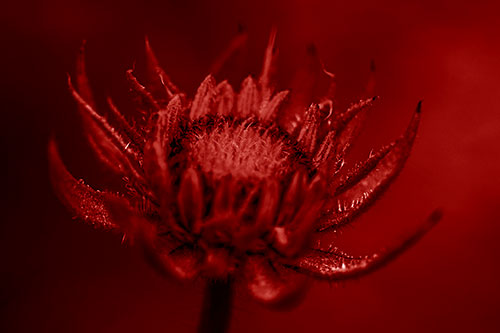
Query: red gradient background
57	275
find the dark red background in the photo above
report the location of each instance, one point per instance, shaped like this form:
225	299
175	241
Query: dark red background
61	276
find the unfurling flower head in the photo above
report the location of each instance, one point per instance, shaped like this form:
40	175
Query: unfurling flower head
238	185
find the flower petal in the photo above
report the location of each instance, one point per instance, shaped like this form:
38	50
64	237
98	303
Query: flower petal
268	67
204	98
335	265
292	198
85	202
269	109
146	100
158	75
190	198
224	100
352	199
108	144
248	98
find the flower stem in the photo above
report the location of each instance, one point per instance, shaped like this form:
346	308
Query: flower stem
216	308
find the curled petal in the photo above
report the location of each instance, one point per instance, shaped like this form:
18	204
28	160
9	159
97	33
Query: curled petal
335	265
146	99
272	284
202	103
85	202
158	74
352	199
82	81
342	119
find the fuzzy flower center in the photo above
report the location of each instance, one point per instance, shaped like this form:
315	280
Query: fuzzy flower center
242	151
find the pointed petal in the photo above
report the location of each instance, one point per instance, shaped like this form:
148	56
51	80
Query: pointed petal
82	81
268	204
204	98
157	72
224	100
146	100
294	236
334	265
236	44
86	203
269	109
109	146
303	89
248	98
341	120
353	199
268	67
362	170
292	198
272	284
155	162
308	133
124	125
190	198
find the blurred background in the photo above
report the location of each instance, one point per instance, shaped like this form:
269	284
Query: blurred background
58	275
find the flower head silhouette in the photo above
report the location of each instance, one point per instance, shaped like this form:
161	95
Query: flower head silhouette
232	185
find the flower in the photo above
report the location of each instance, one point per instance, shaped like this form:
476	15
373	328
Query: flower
234	185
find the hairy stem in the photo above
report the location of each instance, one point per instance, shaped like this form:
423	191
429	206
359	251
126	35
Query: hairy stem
216	308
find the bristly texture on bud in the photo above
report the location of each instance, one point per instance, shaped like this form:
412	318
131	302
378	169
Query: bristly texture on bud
237	185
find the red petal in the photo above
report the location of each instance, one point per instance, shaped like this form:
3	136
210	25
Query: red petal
248	98
190	198
136	137
107	143
155	158
292	198
269	109
273	284
224	100
236	43
303	89
309	132
82	81
294	236
335	265
352	200
204	98
268	67
268	204
341	120
158	75
85	202
146	99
